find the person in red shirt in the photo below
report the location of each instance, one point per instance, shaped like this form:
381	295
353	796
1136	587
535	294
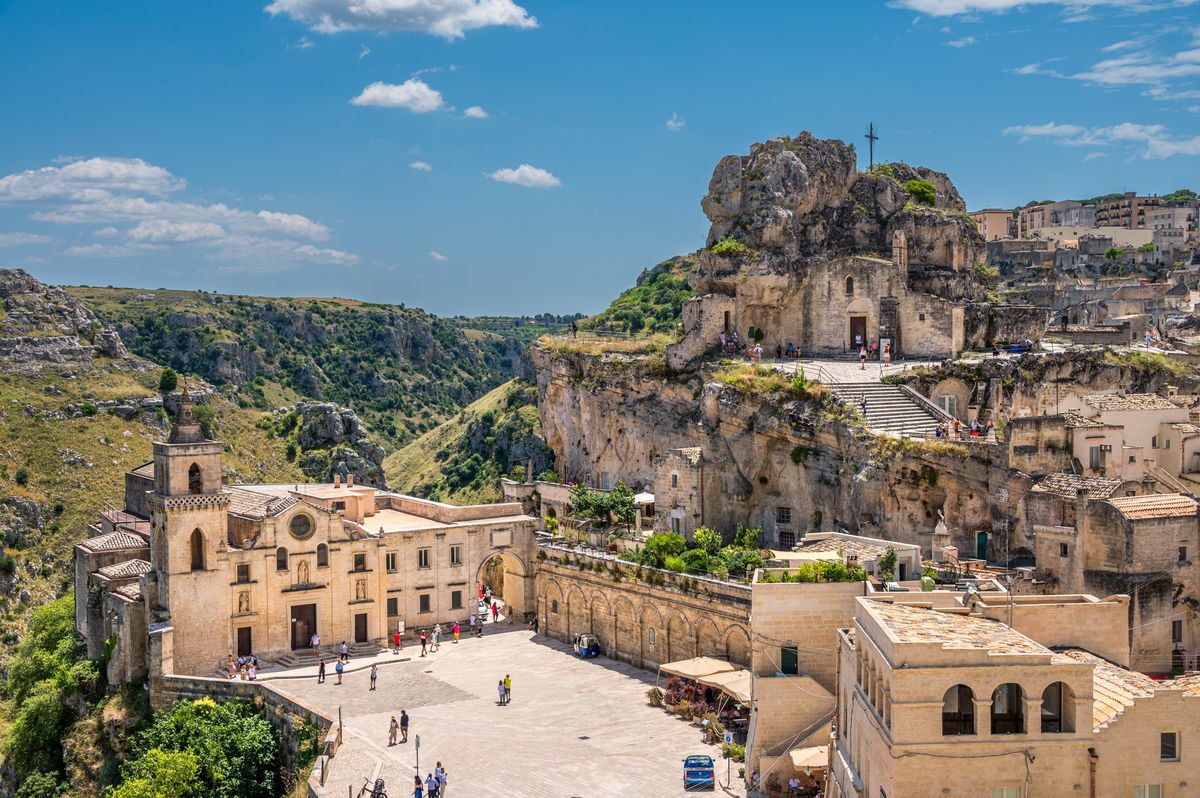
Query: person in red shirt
396	641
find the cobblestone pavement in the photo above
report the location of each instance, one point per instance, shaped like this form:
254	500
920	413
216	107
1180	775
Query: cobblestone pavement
575	728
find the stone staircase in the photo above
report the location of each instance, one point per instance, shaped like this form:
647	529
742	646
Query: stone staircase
891	409
305	656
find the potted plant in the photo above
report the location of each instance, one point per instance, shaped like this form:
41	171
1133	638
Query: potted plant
655	697
698	709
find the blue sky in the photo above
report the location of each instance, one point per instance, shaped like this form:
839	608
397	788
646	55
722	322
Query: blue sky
493	156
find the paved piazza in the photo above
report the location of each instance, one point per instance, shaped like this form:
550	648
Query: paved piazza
575	728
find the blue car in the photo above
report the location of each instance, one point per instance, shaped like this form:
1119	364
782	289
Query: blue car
698	772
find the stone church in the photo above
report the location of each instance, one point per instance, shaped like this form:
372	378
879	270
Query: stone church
822	259
193	569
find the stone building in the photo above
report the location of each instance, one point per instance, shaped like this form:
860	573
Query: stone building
679	491
1031	696
195	569
995	223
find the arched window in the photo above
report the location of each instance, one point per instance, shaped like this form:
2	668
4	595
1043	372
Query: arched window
281	559
1008	709
958	710
1058	709
322	555
195	484
849	286
197	549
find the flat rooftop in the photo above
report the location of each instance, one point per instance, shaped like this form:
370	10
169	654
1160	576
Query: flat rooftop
910	624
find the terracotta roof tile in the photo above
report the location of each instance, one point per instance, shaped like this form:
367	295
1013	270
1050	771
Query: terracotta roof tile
1131	401
1067	485
115	541
131	591
253	504
1113	688
129	569
1154	505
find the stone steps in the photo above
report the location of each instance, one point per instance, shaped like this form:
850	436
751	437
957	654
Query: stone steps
890	409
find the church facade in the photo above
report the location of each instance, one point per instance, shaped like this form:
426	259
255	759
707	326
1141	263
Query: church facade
193	569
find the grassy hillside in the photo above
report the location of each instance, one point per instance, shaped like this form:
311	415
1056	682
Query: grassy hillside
403	370
653	305
57	472
462	460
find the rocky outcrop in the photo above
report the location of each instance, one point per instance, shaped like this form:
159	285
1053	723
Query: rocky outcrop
804	197
332	440
43	325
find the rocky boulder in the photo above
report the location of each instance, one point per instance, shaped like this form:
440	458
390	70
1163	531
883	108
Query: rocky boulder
334	441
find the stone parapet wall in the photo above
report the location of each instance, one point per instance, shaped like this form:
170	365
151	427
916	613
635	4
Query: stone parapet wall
286	715
638	622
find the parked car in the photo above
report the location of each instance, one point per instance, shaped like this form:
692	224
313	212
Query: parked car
698	772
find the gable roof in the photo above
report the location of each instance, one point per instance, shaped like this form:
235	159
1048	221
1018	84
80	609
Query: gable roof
114	541
128	569
255	504
1154	505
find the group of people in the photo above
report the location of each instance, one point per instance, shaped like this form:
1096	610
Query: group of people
339	666
872	353
974	431
245	668
504	688
731	343
434	785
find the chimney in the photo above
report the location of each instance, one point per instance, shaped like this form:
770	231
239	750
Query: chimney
337	480
349	480
1172	390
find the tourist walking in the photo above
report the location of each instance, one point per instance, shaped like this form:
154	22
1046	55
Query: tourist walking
431	786
314	641
339	668
503	693
393	731
345	651
437	637
495	611
418	788
507	688
403	725
862	359
321	672
510	615
374	675
424	642
439	773
456	631
396	642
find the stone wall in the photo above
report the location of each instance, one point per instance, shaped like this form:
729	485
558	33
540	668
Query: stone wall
637	622
1038	445
286	715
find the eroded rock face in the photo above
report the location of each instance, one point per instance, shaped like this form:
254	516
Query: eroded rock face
44	325
804	197
334	441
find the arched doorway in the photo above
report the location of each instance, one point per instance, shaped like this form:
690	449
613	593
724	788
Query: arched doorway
511	585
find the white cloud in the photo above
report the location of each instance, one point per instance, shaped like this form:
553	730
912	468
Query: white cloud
450	19
23	239
526	175
364	52
1074	9
1146	141
965	41
110	193
413	94
1091	156
304	43
89	179
676	122
475	112
437	256
420	166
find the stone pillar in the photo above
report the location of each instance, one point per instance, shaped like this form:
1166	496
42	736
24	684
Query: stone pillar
983	717
1033	714
889	323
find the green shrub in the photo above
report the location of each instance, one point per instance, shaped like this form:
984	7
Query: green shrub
40	785
676	564
708	539
728	247
921	191
695	561
168	380
22	476
88	409
662	545
887	564
549	475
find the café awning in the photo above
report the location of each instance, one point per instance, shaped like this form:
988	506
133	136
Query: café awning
643	498
696	667
733	683
816	756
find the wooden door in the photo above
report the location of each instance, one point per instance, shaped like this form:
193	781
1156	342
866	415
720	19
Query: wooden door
360	627
304	624
858	332
244	648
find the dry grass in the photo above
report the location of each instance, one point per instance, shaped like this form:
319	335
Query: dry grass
585	345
